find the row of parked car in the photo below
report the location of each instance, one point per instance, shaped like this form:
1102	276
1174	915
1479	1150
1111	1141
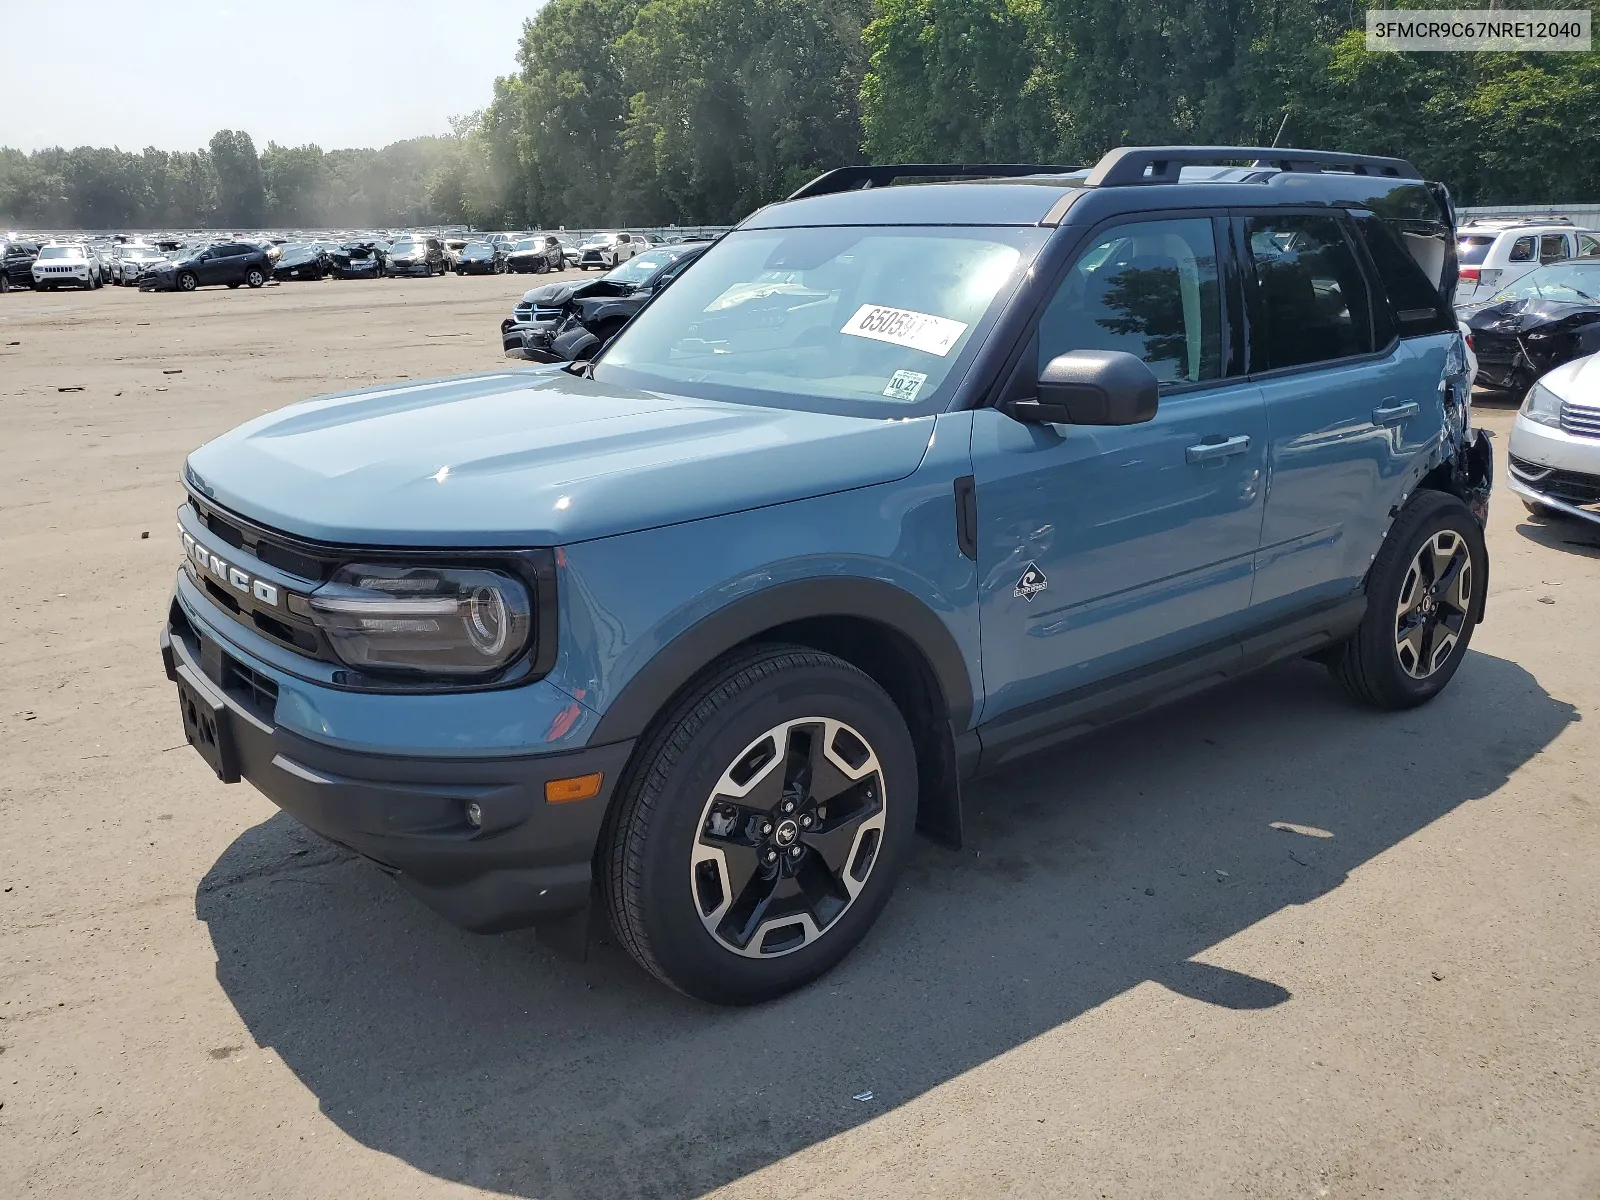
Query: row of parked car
180	264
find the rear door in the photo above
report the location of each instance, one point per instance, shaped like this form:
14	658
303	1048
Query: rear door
1350	408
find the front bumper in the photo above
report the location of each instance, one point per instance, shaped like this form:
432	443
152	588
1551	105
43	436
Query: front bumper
1554	468
408	268
530	341
529	859
162	281
475	267
364	270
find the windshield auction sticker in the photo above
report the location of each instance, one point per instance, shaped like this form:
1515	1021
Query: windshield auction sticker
902	327
1463	30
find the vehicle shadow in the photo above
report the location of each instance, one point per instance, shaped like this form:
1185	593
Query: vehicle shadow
1566	534
1119	859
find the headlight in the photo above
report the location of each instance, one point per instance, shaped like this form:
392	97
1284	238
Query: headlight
444	621
1542	405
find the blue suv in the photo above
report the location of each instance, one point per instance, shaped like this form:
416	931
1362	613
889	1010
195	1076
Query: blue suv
922	470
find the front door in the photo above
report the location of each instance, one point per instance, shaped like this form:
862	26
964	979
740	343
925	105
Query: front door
1103	549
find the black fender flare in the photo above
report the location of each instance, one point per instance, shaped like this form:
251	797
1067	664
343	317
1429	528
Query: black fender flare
655	684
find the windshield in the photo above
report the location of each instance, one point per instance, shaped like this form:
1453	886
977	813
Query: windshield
1473	250
141	252
62	252
639	268
478	248
842	320
1570	283
601	239
528	244
401	248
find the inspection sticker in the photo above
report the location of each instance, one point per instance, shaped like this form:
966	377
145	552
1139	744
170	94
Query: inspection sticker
902	327
905	385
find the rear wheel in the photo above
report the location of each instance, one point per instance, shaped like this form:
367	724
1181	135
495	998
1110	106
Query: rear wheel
1424	595
5	283
760	828
254	277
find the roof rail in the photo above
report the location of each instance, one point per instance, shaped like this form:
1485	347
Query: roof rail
852	179
1127	166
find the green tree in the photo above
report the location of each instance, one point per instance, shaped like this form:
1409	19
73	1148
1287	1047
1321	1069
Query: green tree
241	190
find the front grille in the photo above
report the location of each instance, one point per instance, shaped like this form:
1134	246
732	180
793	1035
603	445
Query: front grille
61	270
1580	419
522	312
1572	486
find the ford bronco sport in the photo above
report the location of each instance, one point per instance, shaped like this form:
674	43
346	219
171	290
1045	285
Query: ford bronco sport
922	470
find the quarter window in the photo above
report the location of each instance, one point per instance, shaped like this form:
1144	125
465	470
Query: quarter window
1310	296
1149	289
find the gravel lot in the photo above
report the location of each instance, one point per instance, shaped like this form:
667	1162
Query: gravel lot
1259	944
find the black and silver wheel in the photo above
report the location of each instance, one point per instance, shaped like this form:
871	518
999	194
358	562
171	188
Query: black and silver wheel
758	834
1424	596
255	277
187	282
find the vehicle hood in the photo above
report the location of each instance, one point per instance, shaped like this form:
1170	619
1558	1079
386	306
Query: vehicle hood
1514	316
554	295
534	458
1577	381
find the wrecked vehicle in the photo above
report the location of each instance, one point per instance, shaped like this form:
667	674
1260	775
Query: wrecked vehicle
536	255
1548	317
305	260
561	322
914	474
360	260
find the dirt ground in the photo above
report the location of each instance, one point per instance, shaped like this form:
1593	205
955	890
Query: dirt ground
1261	944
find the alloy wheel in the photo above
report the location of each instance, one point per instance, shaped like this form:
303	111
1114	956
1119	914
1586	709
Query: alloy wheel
1435	604
788	837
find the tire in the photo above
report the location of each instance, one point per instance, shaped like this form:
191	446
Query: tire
254	278
5	283
233	285
1434	541
187	282
670	875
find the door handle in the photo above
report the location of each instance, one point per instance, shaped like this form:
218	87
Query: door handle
1211	451
1395	413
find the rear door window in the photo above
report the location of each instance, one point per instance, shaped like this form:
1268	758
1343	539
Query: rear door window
1309	301
1147	288
1588	245
1522	251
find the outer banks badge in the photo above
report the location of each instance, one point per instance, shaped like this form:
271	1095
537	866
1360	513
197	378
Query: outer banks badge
1032	583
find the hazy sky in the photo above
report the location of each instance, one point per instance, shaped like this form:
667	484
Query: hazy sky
170	73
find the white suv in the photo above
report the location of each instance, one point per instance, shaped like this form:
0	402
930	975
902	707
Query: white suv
1495	254
73	263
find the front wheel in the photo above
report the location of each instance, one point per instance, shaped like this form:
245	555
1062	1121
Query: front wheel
761	825
1425	594
187	282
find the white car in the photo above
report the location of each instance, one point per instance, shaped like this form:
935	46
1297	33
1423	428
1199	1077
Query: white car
72	263
605	250
1555	443
129	262
1495	254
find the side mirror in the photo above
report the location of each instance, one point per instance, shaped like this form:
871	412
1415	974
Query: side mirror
1090	387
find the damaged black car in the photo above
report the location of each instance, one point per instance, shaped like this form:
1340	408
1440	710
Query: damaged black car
536	255
561	322
1548	317
482	258
360	260
308	260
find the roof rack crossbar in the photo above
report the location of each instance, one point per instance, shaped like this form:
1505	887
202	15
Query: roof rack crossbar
858	178
1127	166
